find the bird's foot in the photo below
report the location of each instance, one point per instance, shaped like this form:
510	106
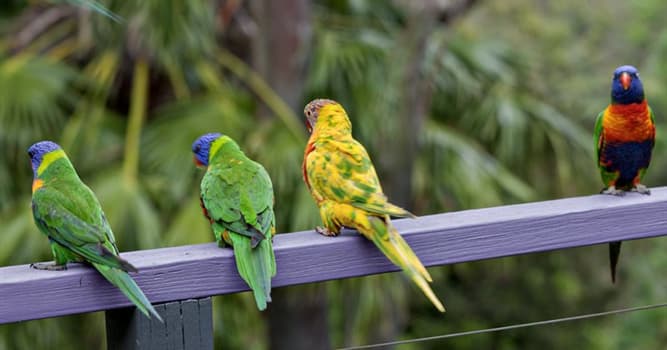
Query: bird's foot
639	188
50	266
613	191
325	231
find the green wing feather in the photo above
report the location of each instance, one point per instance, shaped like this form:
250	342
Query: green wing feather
92	241
239	199
349	177
598	137
72	218
642	171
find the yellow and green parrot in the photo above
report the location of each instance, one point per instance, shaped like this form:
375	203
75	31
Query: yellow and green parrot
237	198
69	214
343	182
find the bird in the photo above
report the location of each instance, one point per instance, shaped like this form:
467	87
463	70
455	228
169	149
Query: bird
236	196
69	214
624	138
342	180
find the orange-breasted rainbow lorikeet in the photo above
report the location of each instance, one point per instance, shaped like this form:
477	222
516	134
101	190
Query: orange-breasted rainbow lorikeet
237	198
343	182
624	140
68	212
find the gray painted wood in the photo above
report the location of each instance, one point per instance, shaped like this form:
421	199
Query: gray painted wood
188	325
203	270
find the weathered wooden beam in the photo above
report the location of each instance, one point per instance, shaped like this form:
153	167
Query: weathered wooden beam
188	325
197	271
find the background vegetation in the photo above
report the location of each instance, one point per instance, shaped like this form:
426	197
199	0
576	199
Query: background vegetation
495	103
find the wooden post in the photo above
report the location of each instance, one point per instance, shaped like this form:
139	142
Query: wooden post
188	324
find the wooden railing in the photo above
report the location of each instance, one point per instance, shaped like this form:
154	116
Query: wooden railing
181	279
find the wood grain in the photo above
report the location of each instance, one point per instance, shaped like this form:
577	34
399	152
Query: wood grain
197	271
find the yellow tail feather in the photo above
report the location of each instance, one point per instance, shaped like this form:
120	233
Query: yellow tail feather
394	247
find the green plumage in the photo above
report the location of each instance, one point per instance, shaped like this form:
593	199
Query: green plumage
237	197
68	212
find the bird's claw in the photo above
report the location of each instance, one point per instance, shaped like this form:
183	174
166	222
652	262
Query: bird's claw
50	266
325	231
613	191
642	189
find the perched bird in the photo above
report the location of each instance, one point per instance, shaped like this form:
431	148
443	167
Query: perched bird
237	198
67	212
343	182
624	139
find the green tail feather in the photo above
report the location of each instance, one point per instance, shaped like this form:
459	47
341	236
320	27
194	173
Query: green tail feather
256	266
126	284
397	250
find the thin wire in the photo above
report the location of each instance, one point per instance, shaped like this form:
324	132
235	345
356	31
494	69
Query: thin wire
504	328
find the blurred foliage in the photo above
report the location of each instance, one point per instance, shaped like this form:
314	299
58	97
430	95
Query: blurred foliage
515	89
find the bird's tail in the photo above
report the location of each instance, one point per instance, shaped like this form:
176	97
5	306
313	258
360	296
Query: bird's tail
389	241
256	266
126	284
614	252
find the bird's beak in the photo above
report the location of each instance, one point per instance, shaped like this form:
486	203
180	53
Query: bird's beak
308	126
626	80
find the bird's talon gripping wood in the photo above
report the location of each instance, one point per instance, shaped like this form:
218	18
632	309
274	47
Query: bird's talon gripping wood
642	189
325	231
611	190
49	266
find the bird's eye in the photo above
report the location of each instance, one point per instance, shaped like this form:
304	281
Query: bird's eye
197	148
308	113
31	153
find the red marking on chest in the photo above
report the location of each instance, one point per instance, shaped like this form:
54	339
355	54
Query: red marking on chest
628	123
309	148
37	184
204	210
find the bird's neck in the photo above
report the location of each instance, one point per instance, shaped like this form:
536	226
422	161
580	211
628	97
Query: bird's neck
334	125
227	154
60	169
629	109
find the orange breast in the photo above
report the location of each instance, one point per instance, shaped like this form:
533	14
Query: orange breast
628	123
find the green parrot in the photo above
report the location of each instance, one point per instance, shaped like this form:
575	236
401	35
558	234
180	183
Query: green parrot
68	213
237	198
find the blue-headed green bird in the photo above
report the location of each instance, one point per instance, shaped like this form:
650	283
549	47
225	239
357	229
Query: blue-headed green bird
237	198
69	214
624	138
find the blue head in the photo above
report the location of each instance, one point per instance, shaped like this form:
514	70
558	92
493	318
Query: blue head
37	152
202	146
626	87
